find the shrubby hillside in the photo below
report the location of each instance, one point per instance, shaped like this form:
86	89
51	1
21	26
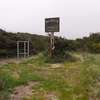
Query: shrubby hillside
8	42
39	43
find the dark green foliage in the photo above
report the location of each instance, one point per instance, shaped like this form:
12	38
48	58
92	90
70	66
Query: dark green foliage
40	43
8	40
58	57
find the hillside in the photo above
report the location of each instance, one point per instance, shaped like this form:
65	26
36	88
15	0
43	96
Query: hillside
71	74
39	43
8	43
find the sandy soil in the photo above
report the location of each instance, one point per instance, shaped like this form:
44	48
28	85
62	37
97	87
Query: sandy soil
11	60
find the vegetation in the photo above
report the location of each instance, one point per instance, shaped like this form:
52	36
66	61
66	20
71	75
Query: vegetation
40	43
72	74
69	80
8	40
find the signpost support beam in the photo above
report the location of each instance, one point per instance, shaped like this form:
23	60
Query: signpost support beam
52	46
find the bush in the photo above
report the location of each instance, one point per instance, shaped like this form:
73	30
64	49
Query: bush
59	57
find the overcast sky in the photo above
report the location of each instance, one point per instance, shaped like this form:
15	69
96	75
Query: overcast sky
78	17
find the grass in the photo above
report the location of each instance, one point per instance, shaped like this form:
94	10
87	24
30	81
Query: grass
72	80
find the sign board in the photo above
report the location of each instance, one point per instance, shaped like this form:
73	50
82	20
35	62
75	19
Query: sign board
52	24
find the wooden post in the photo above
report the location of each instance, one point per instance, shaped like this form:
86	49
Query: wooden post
24	49
17	49
28	48
52	47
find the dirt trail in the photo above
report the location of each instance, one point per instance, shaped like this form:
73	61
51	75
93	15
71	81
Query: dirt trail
55	66
26	91
23	91
7	61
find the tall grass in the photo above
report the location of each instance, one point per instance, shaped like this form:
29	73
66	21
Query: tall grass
73	80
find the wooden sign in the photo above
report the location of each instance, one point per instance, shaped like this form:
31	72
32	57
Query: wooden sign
52	24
